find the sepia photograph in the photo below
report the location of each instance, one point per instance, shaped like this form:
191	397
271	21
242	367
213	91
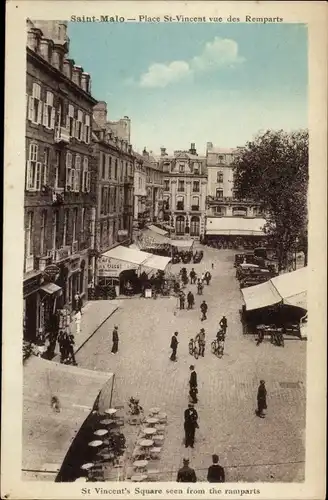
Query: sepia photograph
165	265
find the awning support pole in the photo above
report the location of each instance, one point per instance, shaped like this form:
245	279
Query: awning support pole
111	393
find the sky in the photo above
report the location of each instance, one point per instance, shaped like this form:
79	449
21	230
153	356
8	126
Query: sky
184	83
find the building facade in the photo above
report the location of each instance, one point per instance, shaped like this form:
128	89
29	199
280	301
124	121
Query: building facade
140	215
114	184
184	191
221	197
59	188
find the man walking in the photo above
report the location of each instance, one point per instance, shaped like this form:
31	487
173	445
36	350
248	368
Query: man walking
203	308
192	276
182	300
174	346
115	340
190	425
215	473
78	317
186	474
190	300
200	338
261	399
193	385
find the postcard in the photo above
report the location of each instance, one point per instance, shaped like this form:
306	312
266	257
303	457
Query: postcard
164	305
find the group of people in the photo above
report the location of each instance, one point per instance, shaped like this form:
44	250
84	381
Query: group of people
215	473
66	343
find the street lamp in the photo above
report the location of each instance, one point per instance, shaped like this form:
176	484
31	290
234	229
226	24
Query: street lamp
295	255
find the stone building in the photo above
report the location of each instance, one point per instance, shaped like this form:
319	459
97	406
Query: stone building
184	192
140	192
114	183
59	188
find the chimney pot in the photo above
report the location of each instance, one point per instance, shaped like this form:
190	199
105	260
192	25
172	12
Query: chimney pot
67	68
33	37
44	49
85	82
58	56
76	75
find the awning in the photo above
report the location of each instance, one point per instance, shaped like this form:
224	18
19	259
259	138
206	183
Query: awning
234	226
47	434
157	262
127	254
158	230
50	288
148	236
258	296
288	288
185	244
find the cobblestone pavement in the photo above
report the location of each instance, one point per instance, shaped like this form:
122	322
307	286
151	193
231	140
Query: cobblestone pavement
250	448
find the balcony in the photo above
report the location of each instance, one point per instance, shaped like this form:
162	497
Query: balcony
230	199
62	135
44	261
29	263
180	206
62	253
75	247
195	208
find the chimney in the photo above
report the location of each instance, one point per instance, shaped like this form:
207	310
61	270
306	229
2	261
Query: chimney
145	153
100	113
58	56
44	49
33	37
76	76
209	146
85	82
67	68
192	149
163	152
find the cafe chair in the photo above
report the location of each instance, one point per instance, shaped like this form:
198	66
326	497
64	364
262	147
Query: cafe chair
155	452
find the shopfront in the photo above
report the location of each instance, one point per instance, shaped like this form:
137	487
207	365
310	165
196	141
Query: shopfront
31	316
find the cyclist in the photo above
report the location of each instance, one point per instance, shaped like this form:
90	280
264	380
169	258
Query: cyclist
220	337
224	324
200	338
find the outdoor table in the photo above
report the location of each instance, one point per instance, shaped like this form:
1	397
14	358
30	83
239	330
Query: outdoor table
149	431
107	456
161	416
152	420
111	411
87	466
140	465
154	411
146	444
101	432
82	479
139	477
95	443
107	421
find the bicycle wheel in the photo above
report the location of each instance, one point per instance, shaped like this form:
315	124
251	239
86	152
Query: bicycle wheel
213	346
196	354
191	347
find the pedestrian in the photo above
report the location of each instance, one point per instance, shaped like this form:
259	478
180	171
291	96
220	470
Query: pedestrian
212	265
62	345
215	473
70	348
200	287
77	302
186	474
203	308
261	399
208	277
190	300
224	324
203	277
78	317
190	425
182	299
192	276
200	338
115	340
193	389
174	346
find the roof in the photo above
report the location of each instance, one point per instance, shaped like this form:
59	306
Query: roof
235	226
47	434
127	254
258	296
157	262
223	150
288	288
182	243
158	230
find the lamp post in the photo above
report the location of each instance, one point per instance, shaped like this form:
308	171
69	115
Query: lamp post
295	254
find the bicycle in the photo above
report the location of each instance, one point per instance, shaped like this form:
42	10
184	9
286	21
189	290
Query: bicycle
193	348
217	348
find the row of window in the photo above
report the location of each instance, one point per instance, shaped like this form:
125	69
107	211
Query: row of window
108	200
182	168
181	226
180	203
44	112
77	176
181	186
69	229
109	168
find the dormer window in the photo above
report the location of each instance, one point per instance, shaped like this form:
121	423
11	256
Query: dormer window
181	168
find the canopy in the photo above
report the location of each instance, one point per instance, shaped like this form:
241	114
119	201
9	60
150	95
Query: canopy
47	433
186	244
127	254
148	236
157	230
157	262
288	288
50	288
234	226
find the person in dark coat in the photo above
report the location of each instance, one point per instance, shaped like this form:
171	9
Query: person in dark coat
192	276
203	308
200	287
182	298
193	390
215	473
174	346
190	300
200	338
115	340
62	341
186	474
208	277
224	324
70	348
77	302
190	425
261	399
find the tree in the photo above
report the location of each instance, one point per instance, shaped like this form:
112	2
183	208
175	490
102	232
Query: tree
273	170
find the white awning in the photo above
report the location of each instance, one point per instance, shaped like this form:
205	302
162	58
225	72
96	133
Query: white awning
186	244
149	236
258	296
127	254
293	287
234	226
157	230
157	262
50	288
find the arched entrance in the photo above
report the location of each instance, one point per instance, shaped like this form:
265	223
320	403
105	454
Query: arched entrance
180	224
194	226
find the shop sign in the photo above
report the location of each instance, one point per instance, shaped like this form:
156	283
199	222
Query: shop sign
74	264
51	272
31	286
108	267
